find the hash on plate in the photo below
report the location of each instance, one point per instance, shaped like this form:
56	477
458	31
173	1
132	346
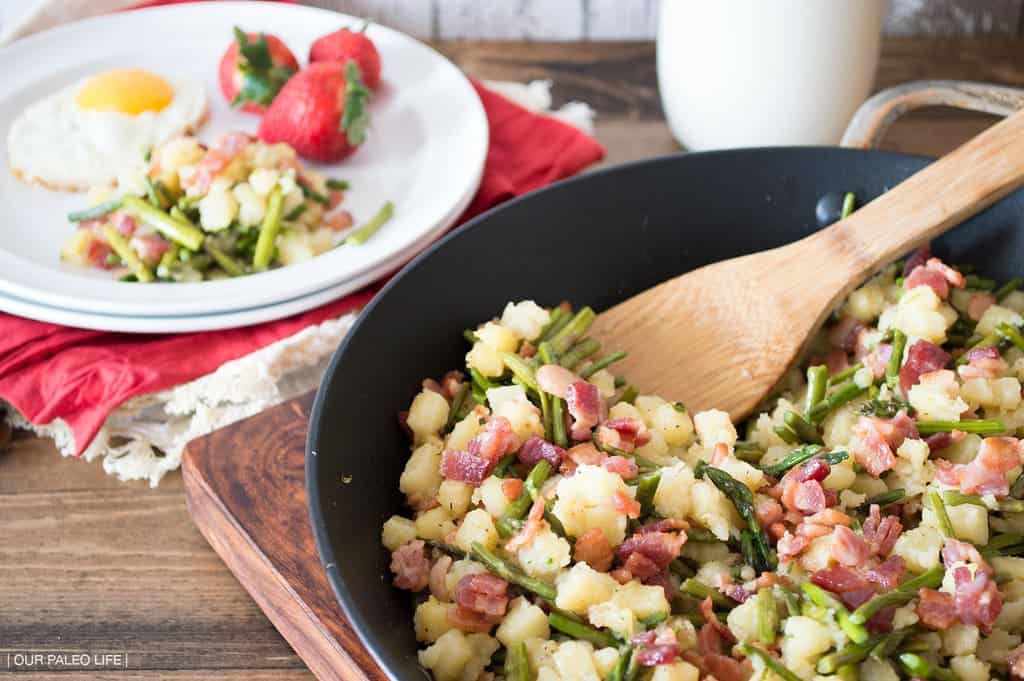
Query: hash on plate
869	524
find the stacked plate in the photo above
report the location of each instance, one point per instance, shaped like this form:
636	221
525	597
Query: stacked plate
426	151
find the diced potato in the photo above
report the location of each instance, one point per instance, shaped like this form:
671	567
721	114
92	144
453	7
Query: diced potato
463	431
805	639
994	316
428	414
498	337
586	500
920	548
422	475
970	522
762	433
605	660
581	587
937	395
1009	567
548	672
905	616
743	619
263	180
960	639
642	599
522	621
485	359
545	555
477	526
251	206
455	497
526	318
912	470
1011	617
994	647
677	671
435	524
614	616
397	531
743	472
1000	393
511	403
715	572
575	661
448	657
656	450
964	450
675	425
818	554
841	476
837	428
865	303
919	314
703	552
541	653
672	498
605	382
431	619
714	426
647	405
869	486
624	410
712	509
877	670
491	495
460	569
217	210
970	668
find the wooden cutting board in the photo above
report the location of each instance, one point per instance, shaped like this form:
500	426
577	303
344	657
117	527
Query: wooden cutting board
245	487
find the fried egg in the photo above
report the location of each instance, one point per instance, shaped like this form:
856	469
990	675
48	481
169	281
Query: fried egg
89	133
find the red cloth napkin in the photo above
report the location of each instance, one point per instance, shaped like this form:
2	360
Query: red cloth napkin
49	371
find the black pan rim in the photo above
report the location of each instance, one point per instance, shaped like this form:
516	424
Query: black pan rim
324	545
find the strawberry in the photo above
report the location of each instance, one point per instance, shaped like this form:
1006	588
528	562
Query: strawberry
321	112
253	69
347	45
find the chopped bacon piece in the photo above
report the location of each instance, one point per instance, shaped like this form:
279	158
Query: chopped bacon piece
707	611
881	533
638	566
511	488
926	276
956	551
338	220
918	257
411	566
232	143
532	527
977	597
845	333
586	454
768	511
938	441
847	548
482	593
149	247
886	575
882	620
709	641
857	597
978	303
452	383
814	469
878	438
720	454
624	503
655	648
495	441
790	545
527	349
952	275
555	379
922	358
465	467
433	386
878	359
438	578
983	363
469	620
725	668
812	530
586	406
537	448
830	517
808	497
986	474
839	580
625	434
936	609
663	525
659	547
625	468
835	361
593	548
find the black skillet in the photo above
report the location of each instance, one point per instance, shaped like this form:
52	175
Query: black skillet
596	239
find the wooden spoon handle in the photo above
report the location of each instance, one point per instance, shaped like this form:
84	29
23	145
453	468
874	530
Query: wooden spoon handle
950	190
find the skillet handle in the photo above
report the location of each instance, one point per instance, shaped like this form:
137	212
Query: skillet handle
872	120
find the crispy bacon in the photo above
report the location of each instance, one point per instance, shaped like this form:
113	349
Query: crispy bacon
586	406
338	220
847	548
149	247
637	566
922	358
768	511
978	303
536	448
790	545
625	434
839	579
845	333
624	503
482	593
983	363
926	276
661	548
886	575
877	439
438	578
736	592
469	620
411	566
707	611
656	647
936	609
986	474
952	275
495	441
593	548
465	467
955	551
663	525
977	598
835	361
814	469
830	517
918	257
532	527
808	497
878	359
452	383
881	533
555	379
627	469
938	441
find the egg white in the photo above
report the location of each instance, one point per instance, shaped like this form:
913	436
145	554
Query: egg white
55	143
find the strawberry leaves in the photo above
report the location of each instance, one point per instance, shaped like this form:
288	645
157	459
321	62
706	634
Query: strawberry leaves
356	116
261	77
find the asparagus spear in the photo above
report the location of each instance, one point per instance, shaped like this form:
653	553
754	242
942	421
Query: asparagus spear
884	499
743	500
767	616
919	668
769	661
804	430
787	434
264	250
579	352
582	631
701	590
892	369
458	400
851	654
794	458
939	507
511	574
1011	334
531	488
845	374
645	491
94	212
521	369
979	426
602	363
849	203
517	664
822	598
901	595
954	498
125	251
980	283
1007	288
226	262
178	231
573	331
817	377
556	322
363	234
843	394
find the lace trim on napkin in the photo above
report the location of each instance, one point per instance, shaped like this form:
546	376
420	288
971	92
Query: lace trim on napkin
143	438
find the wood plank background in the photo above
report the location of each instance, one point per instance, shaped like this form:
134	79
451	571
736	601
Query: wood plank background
637	19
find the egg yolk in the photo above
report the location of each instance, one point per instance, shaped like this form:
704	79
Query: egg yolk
127	91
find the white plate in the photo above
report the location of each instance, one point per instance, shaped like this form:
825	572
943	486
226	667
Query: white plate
230	319
426	152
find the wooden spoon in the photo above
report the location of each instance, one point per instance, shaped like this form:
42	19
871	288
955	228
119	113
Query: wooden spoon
723	336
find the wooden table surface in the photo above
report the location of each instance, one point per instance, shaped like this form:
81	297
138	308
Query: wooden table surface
91	564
